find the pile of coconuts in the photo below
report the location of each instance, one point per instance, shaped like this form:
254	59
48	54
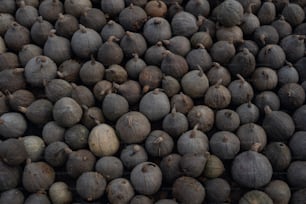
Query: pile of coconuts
152	102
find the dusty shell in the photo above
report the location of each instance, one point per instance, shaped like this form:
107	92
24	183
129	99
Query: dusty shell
103	141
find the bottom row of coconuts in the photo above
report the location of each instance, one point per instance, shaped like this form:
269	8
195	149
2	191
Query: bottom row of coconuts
136	161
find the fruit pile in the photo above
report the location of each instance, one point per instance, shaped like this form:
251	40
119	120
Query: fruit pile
160	101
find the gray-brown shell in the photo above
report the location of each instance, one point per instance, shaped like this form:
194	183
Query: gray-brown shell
130	90
55	154
26	14
224	145
120	190
82	95
4	106
156	29
287	74
59	192
296	145
12	196
174	65
184	23
229	13
91	72
255	196
242	63
272	56
6	20
251	133
179	45
66	25
217	96
170	85
249	21
49	9
27	52
12	80
278	125
266	34
13	151
39	69
222	52
116	73
154	54
193	141
134	65
266	13
241	91
90	185
195	83
260	174
133	155
182	102
8	60
141	199
278	191
279	155
192	164
217	72
203	116
267	98
132	18
69	70
12	125
112	28
153	8
110	52
16	36
146	178
76	137
114	106
52	132
233	34
76	8
170	167
293	13
291	95
217	190
37	176
133	127
175	123
154	105
295	174
10	176
199	57
227	120
57	48
187	188
159	143
85	42
264	78
93	18
132	43
67	112
39	112
248	113
110	167
112	7
57	88
40	31
283	27
79	161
